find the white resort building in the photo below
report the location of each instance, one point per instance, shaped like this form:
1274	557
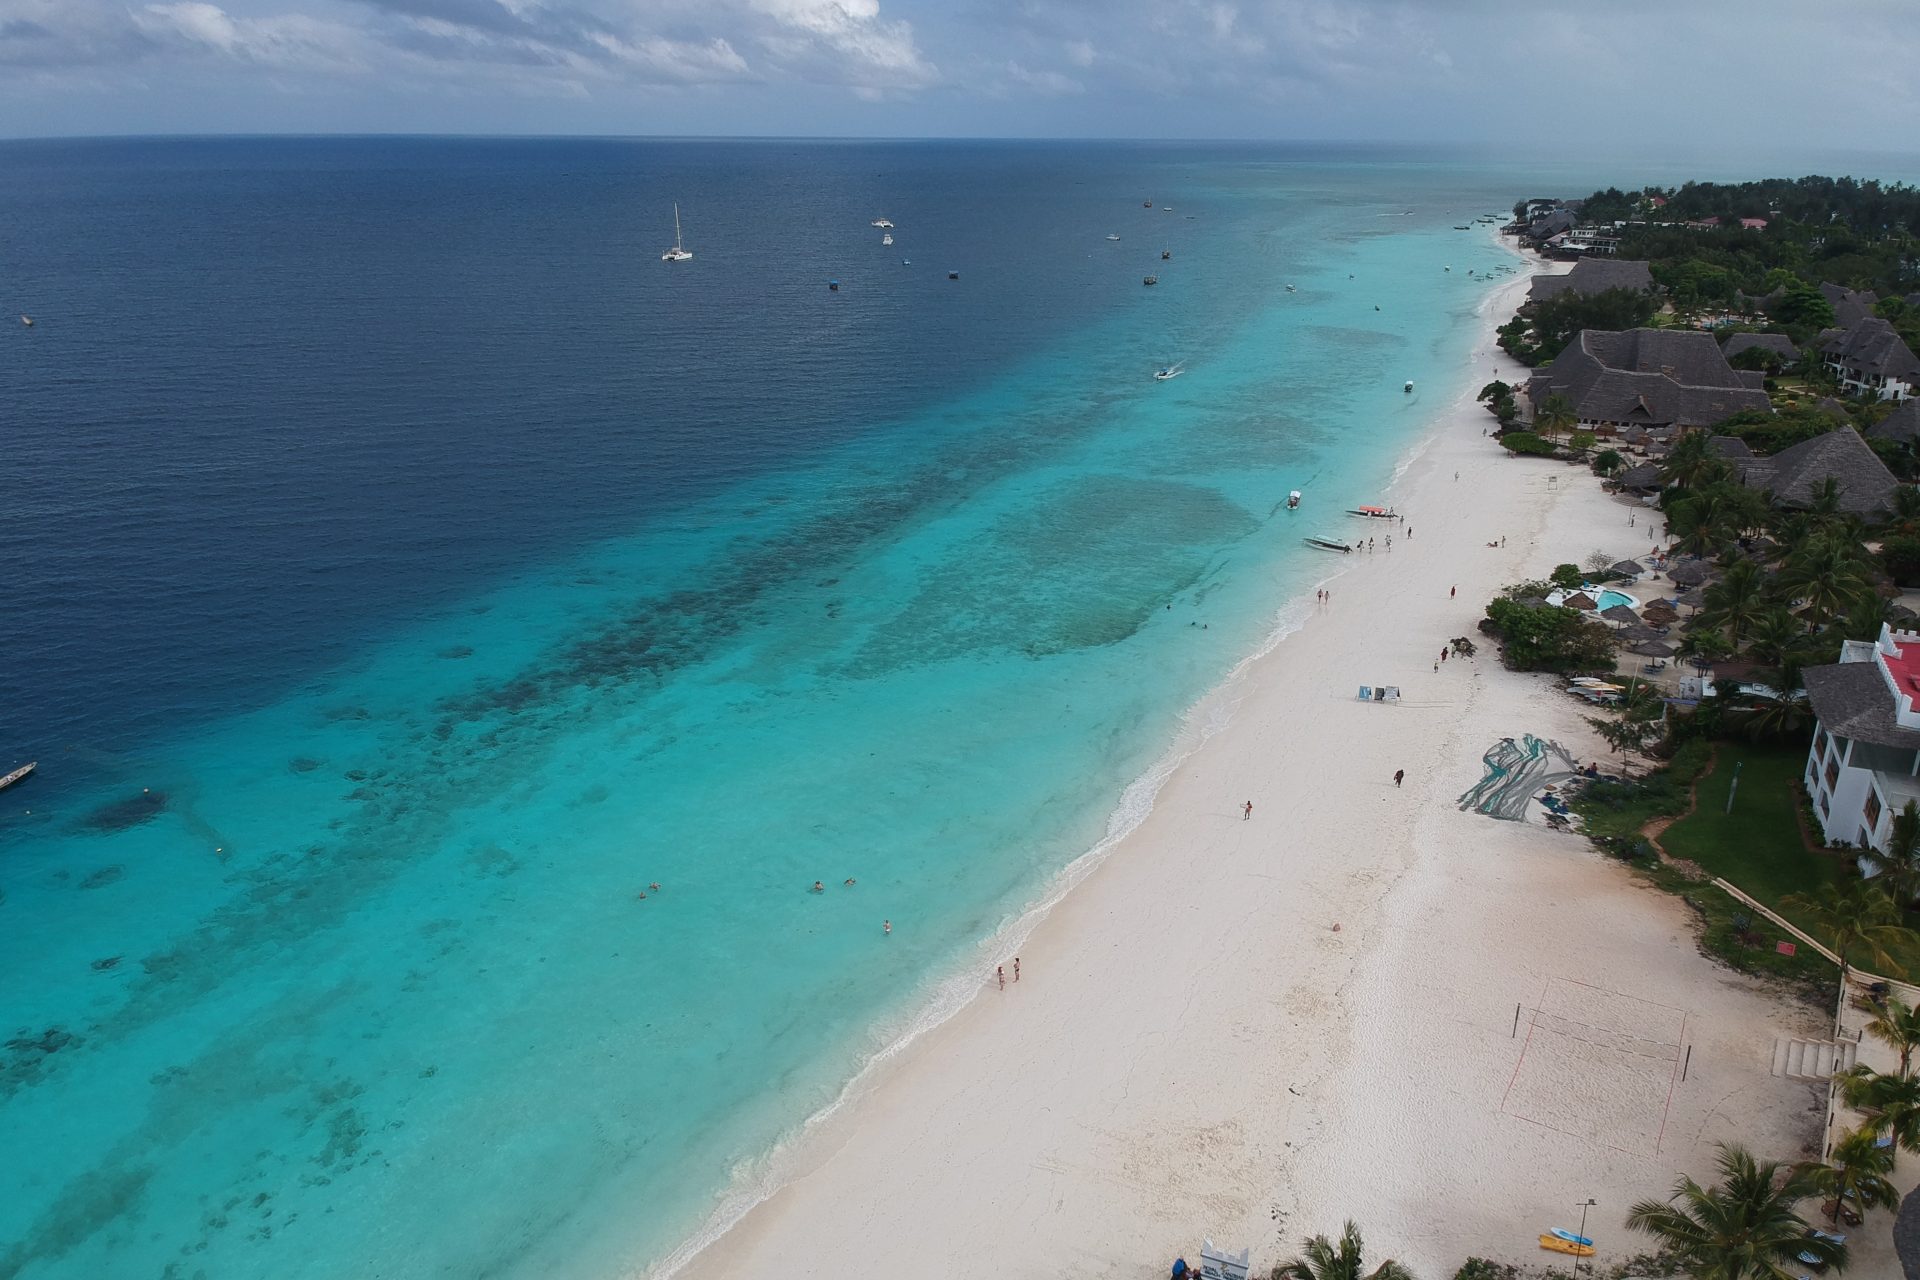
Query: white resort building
1866	739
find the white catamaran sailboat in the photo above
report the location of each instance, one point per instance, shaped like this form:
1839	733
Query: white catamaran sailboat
679	251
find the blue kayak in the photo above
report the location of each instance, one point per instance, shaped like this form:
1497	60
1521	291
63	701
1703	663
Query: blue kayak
1571	1238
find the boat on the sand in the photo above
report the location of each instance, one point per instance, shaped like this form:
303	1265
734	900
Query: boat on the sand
1373	513
1558	1245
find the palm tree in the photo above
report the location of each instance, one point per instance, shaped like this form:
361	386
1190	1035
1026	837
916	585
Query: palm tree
1856	1170
1783	714
1857	919
1890	1103
1555	416
1737	601
1325	1260
1777	636
1898	1023
1690	461
1827	573
1897	866
1746	1228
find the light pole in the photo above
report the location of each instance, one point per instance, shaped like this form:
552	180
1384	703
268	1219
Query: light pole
1585	1205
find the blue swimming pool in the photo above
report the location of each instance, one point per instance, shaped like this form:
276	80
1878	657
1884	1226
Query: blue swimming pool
1608	599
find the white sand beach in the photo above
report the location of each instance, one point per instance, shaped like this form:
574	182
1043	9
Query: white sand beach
1256	1028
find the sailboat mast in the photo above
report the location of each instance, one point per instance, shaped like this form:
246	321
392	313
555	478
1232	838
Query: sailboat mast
676	224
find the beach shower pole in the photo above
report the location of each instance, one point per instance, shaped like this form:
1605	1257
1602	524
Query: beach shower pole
1585	1205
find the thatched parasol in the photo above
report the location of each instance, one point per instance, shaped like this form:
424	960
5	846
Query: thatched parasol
1579	600
1632	568
1621	614
1691	574
1635	635
1652	649
1693	599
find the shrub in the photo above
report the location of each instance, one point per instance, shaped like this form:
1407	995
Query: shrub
1900	555
1549	638
1567	576
1526	442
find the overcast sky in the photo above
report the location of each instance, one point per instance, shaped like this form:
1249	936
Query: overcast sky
1698	73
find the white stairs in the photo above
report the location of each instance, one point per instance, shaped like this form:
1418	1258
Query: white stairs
1813	1059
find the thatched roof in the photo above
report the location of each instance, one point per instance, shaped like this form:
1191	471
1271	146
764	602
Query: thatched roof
1690	574
1629	566
1903	424
1621	614
1646	377
1592	275
1777	343
1652	649
1795	475
1579	600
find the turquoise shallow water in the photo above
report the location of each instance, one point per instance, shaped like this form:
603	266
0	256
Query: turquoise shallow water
372	991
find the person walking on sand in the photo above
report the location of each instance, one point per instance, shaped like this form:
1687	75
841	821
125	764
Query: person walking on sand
1016	968
1000	972
1452	592
1246	811
1398	775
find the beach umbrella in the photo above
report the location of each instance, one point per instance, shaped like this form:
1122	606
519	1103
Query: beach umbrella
1691	574
1652	649
1621	614
1660	617
1693	599
1635	635
1630	567
1579	600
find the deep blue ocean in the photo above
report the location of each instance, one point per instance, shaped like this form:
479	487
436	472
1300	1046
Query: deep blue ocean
407	569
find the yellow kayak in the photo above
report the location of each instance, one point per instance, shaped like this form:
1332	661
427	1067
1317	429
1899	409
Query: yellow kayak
1558	1245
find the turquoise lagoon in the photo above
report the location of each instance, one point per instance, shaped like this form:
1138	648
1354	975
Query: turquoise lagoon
358	980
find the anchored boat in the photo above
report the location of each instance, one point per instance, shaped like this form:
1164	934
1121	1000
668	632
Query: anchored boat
1293	500
1373	513
1329	544
18	774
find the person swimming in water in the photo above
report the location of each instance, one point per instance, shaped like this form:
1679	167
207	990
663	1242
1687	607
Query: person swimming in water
818	887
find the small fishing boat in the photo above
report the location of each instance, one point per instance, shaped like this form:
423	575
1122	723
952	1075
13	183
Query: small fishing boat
1467	228
27	321
1146	204
1409	387
833	286
1329	544
679	251
1113	237
1558	1245
1166	254
887	238
1293	500
18	774
1569	1236
1170	372
1290	288
1150	280
1373	513
953	275
883	224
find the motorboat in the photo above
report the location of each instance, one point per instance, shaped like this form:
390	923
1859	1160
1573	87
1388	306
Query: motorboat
1113	237
1373	513
1150	280
27	321
679	251
1290	288
1293	500
883	224
18	775
1166	255
833	286
1409	387
1170	372
887	238
953	275
1330	544
1146	204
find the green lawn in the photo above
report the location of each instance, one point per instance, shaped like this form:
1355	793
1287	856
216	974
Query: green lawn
1757	847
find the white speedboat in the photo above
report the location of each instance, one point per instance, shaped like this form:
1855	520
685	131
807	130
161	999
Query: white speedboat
27	321
1170	372
1113	237
887	238
1293	500
883	224
679	251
